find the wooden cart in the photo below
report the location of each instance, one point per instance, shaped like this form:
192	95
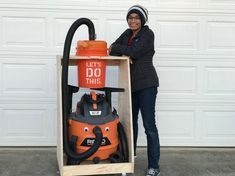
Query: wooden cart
125	114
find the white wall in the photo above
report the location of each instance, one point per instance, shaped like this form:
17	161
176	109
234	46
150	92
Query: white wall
195	59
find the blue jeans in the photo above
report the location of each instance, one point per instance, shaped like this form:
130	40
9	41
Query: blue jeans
144	100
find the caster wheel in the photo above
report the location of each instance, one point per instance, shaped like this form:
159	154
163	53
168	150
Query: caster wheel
96	160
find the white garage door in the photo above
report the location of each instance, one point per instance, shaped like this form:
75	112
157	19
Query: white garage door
195	59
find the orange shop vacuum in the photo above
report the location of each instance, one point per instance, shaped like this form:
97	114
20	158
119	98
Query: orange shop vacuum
93	132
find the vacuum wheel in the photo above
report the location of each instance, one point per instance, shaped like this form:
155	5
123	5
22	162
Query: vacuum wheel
96	160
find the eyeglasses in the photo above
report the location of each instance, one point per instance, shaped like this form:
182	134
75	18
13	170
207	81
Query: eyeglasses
130	18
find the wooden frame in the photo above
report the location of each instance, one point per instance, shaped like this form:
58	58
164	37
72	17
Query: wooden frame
125	114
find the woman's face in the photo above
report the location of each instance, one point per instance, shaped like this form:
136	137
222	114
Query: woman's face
134	22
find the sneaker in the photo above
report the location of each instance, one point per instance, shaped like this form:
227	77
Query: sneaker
153	172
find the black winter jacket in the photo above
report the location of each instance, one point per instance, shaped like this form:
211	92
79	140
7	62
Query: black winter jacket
141	51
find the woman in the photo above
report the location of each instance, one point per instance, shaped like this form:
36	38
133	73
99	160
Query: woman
137	42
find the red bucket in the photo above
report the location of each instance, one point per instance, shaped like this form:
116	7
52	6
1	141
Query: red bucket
91	72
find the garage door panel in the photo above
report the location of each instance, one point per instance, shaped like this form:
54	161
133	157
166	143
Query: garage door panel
222	3
114	24
177	79
176	123
17	78
27	78
30	32
218	80
181	34
218	124
221	34
27	124
33	122
179	3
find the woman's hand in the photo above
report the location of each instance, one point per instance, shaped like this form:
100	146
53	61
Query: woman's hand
110	48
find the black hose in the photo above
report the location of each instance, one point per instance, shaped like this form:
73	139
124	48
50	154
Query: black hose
82	156
65	92
123	143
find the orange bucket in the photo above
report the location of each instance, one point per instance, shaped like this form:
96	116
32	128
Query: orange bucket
91	72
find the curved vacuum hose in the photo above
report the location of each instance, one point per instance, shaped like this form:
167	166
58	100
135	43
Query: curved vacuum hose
123	143
97	131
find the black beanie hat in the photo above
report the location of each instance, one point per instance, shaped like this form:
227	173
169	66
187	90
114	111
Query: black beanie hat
141	11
